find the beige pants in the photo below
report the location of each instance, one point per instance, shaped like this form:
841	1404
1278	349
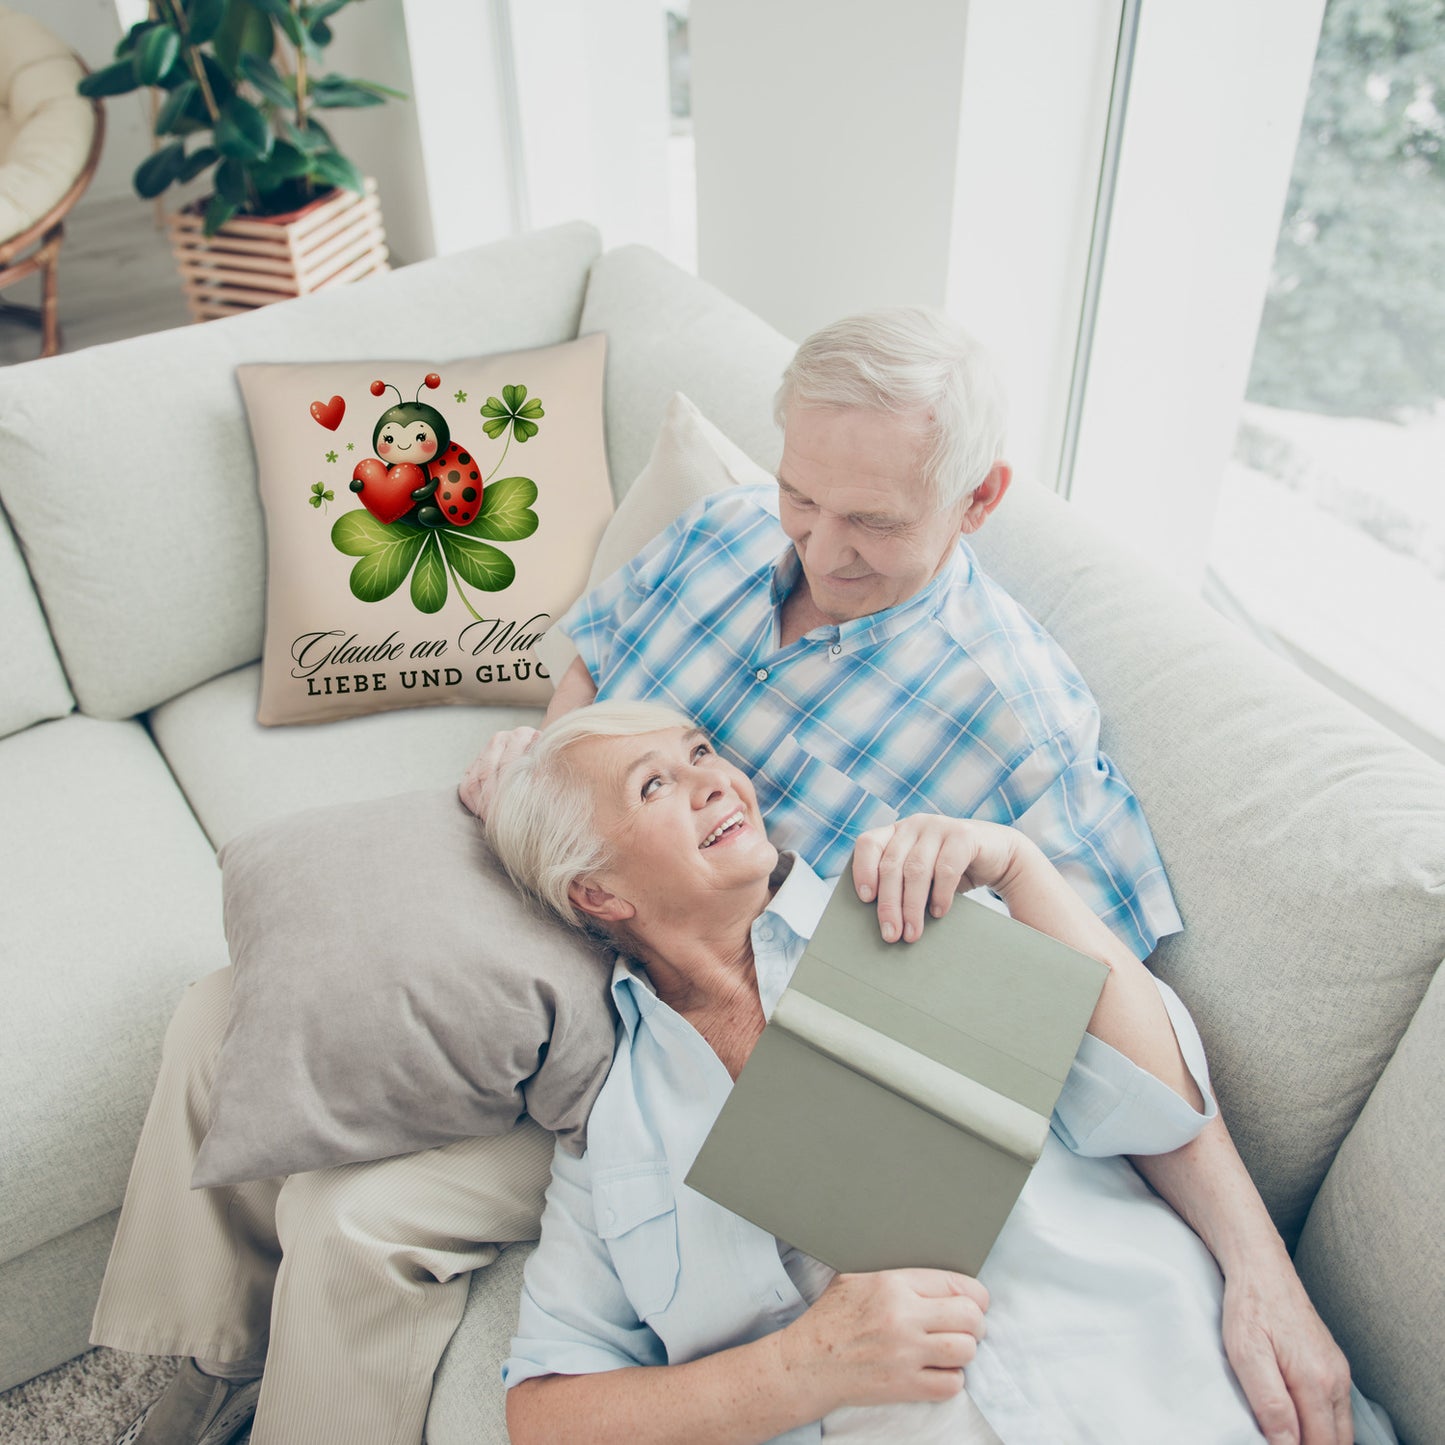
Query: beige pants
350	1281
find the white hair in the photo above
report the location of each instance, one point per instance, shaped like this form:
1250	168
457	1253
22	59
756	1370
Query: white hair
542	820
908	360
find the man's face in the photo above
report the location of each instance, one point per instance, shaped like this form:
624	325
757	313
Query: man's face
852	499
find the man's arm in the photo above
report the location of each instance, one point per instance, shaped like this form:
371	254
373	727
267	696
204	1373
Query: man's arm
576	689
1295	1377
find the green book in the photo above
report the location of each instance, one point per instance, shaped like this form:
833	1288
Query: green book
900	1094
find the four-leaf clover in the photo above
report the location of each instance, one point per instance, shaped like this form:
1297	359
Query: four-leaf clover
320	494
509	411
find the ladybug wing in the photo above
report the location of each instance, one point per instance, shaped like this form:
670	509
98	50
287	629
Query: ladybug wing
459	484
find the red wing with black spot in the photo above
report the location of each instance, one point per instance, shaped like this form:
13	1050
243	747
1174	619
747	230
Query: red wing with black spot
459	484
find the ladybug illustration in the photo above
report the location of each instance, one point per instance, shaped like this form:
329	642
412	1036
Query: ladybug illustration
420	465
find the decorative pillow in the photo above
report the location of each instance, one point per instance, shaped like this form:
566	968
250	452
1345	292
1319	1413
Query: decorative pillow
393	992
691	459
424	526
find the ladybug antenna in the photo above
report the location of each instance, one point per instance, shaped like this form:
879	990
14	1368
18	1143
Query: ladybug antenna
377	387
431	381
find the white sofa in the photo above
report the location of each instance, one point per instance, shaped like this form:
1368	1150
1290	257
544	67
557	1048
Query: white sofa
1305	845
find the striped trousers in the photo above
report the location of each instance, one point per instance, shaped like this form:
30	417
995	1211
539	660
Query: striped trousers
348	1281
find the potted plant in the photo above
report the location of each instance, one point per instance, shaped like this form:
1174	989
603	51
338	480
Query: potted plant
239	85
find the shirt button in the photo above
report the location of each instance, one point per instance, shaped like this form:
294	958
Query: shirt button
761	674
765	933
836	648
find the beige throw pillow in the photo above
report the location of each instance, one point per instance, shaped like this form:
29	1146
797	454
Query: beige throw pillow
379	597
691	459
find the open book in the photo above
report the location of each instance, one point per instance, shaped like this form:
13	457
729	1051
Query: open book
892	1109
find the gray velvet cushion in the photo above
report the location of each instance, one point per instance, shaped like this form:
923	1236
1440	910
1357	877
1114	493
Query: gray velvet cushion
393	993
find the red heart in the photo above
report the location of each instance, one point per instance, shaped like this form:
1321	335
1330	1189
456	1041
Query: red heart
386	491
329	413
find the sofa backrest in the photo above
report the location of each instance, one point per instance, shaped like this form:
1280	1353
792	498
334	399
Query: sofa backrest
128	473
1302	840
32	682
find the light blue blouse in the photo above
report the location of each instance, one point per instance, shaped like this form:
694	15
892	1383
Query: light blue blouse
1105	1316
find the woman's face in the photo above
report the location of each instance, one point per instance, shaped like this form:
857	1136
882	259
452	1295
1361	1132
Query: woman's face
682	824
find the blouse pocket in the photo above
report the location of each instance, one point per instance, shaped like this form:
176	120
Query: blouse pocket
637	1216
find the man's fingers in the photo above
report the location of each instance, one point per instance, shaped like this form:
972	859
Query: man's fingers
942	1283
1317	1404
1264	1387
866	854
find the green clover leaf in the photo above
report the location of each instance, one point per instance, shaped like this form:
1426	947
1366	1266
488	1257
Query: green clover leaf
387	552
506	514
512	409
320	494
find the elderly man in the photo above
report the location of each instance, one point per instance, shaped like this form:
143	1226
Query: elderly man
838	640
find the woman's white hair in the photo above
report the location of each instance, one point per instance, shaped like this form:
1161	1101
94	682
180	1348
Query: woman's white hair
908	360
542	819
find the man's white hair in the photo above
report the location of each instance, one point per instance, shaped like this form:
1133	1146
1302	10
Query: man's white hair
908	360
542	819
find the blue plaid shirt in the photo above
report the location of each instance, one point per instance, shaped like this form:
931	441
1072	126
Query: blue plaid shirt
955	702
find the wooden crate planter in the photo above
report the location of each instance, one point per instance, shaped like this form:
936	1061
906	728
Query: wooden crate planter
255	260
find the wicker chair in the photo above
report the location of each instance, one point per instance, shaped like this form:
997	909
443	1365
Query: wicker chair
50	140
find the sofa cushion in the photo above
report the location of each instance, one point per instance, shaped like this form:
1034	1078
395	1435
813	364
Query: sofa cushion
423	615
110	906
1301	840
669	332
129	478
1372	1254
393	993
236	774
32	683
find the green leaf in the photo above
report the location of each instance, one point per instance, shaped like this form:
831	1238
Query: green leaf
358	533
242	132
532	409
313	140
477	563
244	31
117	79
287	162
131	38
506	514
278	89
157	171
496	426
203	19
221	83
380	573
333	168
510	399
493	407
332	92
175	105
382	90
231	182
197	161
157	52
524	430
429	581
320	36
322	11
218	212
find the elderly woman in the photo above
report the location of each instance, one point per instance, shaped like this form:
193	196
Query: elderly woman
654	1314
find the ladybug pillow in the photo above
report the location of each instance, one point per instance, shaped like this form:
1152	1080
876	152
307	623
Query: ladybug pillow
425	523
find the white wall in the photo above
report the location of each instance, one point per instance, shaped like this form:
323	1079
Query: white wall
593	112
1036	84
827	142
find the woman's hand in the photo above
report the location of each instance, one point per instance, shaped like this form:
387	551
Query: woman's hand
899	1334
918	864
477	784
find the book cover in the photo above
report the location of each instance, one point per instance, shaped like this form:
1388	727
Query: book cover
900	1094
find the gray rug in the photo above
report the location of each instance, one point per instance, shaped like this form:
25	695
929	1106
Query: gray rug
86	1402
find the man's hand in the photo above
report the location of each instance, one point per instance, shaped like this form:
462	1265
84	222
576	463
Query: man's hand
475	788
1295	1377
916	865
